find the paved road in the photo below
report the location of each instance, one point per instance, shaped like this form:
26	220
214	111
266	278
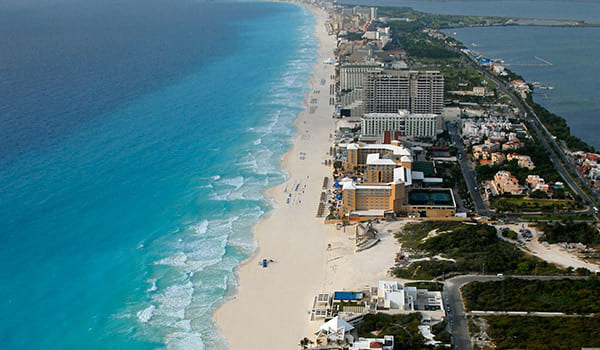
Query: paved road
480	205
455	313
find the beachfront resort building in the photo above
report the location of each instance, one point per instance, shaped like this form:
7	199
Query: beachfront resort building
392	90
401	123
357	155
352	82
386	185
353	76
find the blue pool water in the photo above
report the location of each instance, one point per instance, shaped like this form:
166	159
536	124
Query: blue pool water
347	295
136	139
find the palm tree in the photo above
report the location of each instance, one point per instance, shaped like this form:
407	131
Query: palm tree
305	342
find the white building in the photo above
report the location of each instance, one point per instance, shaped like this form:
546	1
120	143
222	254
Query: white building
395	296
407	124
385	343
373	13
336	329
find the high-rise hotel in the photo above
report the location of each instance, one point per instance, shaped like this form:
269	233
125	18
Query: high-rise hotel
415	91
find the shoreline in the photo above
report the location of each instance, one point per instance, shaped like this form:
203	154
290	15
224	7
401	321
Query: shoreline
282	292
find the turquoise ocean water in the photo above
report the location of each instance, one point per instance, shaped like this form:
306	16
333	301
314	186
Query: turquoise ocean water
136	140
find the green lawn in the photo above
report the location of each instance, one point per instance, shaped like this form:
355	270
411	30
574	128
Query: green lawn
557	218
505	204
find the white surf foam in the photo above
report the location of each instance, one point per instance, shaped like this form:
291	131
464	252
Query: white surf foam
236	182
173	301
146	314
177	259
153	286
200	228
184	341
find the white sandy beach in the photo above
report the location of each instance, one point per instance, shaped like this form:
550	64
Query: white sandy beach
270	310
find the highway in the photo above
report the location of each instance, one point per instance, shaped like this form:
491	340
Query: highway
480	205
455	309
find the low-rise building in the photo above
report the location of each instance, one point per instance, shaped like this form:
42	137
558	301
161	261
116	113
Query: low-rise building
497	158
385	343
505	182
512	145
536	183
521	87
393	297
522	160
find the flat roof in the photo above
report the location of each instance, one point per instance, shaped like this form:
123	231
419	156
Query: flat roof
368	213
374	159
401	150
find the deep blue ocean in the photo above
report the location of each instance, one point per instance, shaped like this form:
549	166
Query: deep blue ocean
136	138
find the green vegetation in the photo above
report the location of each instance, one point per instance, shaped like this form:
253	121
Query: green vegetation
437	21
412	234
520	204
513	294
458	76
538	194
541	333
441	334
404	328
570	232
418	45
474	247
582	217
510	234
